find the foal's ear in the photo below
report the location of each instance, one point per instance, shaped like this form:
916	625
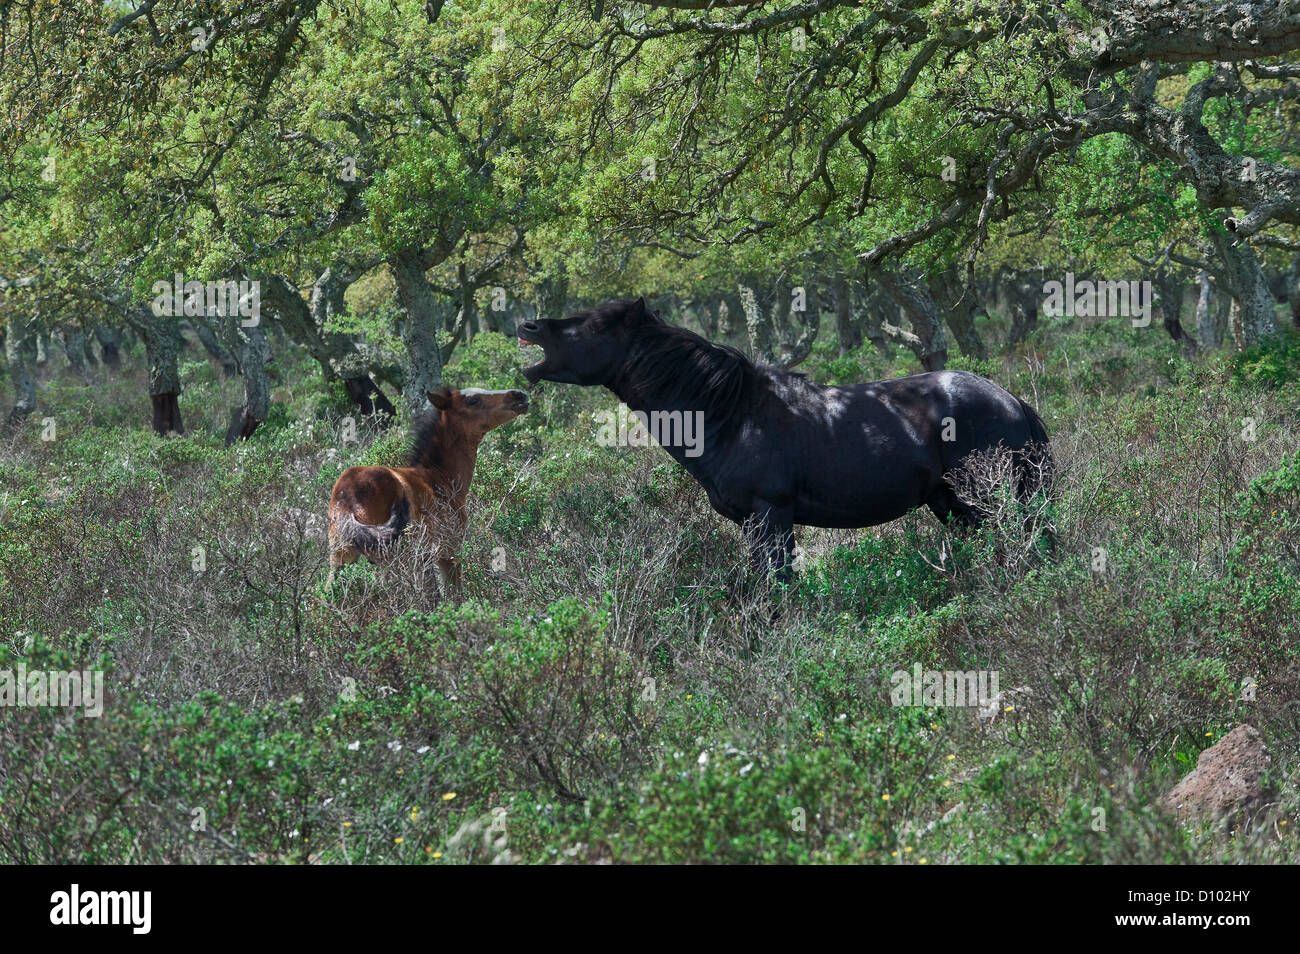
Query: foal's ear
638	312
440	399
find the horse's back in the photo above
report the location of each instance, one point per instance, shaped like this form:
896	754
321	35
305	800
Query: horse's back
972	415
951	390
865	454
956	407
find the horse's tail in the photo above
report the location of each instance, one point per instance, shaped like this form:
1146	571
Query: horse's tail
1037	466
370	538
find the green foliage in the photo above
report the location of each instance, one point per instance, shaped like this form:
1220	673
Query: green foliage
1274	363
487	361
877	577
732	805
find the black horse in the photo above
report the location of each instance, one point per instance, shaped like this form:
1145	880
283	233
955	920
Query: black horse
778	449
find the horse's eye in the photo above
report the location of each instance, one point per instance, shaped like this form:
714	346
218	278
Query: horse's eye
470	402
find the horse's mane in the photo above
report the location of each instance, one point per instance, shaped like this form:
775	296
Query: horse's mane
683	370
426	448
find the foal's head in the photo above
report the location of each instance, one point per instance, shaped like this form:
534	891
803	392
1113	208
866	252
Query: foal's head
472	412
448	438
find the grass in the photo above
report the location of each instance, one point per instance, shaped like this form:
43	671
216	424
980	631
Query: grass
613	687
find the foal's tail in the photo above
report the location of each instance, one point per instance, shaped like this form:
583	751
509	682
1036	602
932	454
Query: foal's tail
1037	467
370	538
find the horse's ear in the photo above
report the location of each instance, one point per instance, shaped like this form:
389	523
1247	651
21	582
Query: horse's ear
440	399
638	312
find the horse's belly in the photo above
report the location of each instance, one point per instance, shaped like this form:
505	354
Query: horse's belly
860	513
859	498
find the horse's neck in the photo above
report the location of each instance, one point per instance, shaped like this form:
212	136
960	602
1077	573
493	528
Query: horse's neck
660	395
699	466
663	398
639	399
452	476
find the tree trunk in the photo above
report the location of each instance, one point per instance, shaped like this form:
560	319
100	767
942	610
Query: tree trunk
74	347
553	294
1205	329
207	338
162	343
88	350
801	306
960	305
756	325
782	334
927	339
16	347
419	330
726	324
1252	318
466	314
254	356
110	345
1222	313
1023	296
732	327
848	330
1293	291
879	309
709	317
339	357
1235	327
1170	289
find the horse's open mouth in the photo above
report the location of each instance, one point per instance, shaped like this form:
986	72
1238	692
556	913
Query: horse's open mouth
527	342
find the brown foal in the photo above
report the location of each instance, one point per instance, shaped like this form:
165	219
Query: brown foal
371	507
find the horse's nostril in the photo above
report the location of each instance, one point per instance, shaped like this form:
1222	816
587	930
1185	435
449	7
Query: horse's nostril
531	326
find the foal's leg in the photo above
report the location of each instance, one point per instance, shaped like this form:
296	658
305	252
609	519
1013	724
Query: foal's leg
340	555
449	575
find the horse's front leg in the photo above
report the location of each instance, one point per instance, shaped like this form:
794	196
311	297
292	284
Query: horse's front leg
451	541
773	540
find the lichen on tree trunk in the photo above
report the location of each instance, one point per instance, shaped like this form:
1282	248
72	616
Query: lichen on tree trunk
1252	317
17	340
1205	328
74	348
162	342
257	390
927	339
419	330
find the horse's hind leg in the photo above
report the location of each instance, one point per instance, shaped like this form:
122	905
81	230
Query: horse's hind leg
340	558
945	505
449	575
773	540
